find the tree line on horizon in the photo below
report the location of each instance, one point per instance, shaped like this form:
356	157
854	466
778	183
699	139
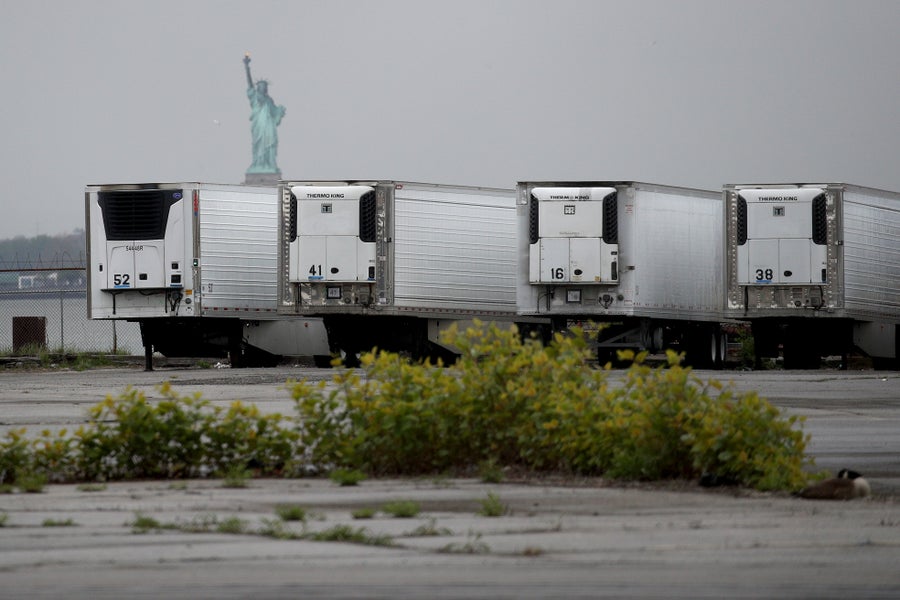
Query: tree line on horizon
43	251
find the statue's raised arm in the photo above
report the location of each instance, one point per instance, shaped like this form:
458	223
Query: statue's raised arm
247	70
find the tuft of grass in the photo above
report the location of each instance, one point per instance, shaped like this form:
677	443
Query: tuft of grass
428	529
490	472
346	477
532	551
143	523
32	483
178	485
4	517
203	524
236	476
232	525
290	512
91	487
347	533
472	545
276	528
58	523
492	506
402	509
363	513
7	488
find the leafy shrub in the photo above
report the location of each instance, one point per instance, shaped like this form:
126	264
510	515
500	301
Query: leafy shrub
515	402
129	437
54	455
507	402
15	455
667	423
242	435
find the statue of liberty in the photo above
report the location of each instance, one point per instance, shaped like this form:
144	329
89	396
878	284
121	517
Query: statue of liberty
265	117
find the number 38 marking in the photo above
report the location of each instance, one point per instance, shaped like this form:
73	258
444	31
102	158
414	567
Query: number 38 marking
764	275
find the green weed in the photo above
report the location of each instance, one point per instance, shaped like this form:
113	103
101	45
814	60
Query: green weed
58	523
232	525
490	472
276	528
403	509
91	487
236	476
472	545
346	477
429	529
290	512
493	507
32	483
346	533
143	523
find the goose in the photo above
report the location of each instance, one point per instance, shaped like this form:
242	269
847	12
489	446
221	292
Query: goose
846	486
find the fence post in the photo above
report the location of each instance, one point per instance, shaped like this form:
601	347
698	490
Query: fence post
62	341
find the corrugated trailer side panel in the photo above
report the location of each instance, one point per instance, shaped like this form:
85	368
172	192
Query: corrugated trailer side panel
238	250
454	248
675	252
871	227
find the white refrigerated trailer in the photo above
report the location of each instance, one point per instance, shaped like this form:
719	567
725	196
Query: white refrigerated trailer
643	260
389	264
815	269
195	264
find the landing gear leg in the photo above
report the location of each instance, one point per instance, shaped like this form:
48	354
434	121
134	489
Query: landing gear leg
148	357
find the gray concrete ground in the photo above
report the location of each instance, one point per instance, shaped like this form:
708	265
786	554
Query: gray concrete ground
560	539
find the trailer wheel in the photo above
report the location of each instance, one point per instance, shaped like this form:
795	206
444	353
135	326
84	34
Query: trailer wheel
722	341
703	349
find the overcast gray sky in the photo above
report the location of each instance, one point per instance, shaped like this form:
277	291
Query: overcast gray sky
478	92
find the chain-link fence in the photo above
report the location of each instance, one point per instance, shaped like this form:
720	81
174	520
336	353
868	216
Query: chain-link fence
38	315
